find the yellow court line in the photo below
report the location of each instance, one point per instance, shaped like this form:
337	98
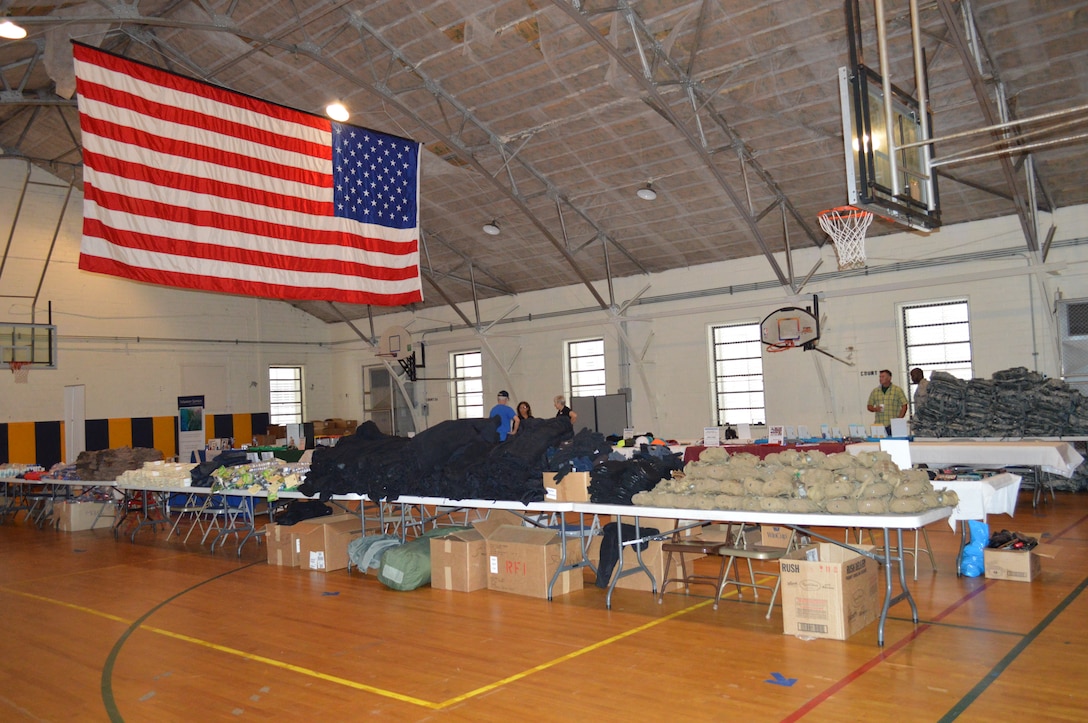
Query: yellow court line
372	689
295	668
71	606
571	656
588	649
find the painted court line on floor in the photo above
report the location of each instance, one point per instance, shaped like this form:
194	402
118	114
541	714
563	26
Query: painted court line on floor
982	685
883	655
138	624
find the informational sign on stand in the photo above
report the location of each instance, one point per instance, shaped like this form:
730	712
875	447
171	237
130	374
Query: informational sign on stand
776	434
191	436
712	436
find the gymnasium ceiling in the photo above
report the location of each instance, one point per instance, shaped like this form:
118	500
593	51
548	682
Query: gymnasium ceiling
548	115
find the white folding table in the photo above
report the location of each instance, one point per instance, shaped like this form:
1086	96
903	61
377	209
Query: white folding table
891	555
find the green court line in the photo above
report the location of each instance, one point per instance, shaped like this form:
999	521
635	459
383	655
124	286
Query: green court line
114	713
964	703
971	628
107	667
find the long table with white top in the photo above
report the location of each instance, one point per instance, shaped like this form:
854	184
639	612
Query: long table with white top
891	556
1054	456
994	495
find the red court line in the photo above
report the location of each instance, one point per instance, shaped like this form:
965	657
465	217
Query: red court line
881	657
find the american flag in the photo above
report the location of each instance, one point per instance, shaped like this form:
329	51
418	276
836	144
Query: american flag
190	185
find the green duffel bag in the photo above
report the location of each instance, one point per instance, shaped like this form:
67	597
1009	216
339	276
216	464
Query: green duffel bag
408	566
366	552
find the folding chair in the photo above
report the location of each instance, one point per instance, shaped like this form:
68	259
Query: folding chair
187	506
680	548
740	549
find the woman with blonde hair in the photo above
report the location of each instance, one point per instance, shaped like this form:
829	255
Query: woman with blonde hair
563	410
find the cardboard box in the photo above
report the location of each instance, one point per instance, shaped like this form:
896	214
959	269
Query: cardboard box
833	596
280	541
459	559
1019	565
523	560
77	516
775	536
322	543
574	487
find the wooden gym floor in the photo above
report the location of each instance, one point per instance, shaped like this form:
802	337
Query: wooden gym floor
95	630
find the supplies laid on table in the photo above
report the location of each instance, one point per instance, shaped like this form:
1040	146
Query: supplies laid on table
798	482
158	474
268	477
1014	403
106	465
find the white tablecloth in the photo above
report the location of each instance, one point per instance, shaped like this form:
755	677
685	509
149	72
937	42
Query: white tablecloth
1055	457
994	495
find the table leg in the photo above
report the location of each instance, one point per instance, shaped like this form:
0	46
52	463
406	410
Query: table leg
903	575
963	544
887	589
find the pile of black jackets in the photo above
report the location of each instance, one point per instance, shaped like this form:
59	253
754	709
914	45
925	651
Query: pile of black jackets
457	459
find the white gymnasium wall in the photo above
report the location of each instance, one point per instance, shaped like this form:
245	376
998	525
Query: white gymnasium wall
137	347
1012	324
132	345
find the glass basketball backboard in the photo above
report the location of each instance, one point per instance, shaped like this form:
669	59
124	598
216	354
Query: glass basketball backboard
33	344
905	191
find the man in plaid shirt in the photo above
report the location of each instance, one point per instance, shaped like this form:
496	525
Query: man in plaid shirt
887	401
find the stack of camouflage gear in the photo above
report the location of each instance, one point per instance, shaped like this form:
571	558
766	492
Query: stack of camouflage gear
799	482
1014	403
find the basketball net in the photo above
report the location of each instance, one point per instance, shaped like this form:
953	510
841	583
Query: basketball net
20	371
846	226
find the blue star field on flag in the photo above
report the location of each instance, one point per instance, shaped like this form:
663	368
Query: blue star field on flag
374	176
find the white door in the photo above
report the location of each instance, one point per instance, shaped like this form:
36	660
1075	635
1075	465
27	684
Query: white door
75	422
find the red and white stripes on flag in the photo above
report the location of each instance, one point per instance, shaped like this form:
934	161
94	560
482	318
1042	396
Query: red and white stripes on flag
190	185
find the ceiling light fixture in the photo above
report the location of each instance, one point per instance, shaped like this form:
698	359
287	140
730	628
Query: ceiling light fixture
492	228
11	31
647	193
337	111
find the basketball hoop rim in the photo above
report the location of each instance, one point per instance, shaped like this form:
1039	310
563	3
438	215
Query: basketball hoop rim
781	346
844	212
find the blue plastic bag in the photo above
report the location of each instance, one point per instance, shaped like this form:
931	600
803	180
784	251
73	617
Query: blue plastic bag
971	564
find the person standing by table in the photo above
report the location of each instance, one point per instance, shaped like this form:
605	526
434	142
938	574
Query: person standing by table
887	402
505	413
562	410
918	377
524	412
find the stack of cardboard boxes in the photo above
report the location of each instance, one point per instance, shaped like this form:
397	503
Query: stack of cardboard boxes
499	553
334	427
319	544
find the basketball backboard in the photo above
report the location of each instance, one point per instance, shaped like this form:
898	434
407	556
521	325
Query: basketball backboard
905	191
789	327
32	344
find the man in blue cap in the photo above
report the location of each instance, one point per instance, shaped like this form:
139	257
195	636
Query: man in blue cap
505	413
